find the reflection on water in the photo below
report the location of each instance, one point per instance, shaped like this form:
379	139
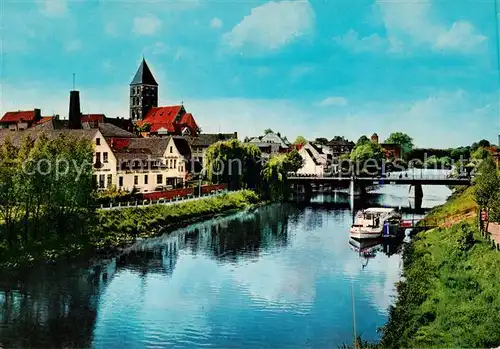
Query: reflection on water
276	277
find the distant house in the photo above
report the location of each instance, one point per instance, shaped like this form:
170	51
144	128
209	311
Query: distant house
200	144
340	146
271	144
20	120
391	150
316	161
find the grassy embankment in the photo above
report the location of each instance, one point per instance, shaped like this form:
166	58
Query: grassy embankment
113	229
450	292
117	228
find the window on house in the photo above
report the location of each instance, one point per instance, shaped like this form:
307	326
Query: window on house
120	181
97	157
105	157
171	150
175	163
136	180
98	141
110	181
145	179
94	181
171	163
159	179
101	181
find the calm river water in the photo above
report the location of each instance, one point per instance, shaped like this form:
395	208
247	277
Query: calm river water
279	277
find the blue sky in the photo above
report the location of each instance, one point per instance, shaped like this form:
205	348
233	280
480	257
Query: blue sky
312	68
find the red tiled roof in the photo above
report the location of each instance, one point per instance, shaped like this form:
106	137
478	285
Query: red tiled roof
161	115
16	116
167	118
166	125
43	120
188	120
93	117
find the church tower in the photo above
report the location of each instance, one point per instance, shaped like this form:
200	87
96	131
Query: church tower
143	92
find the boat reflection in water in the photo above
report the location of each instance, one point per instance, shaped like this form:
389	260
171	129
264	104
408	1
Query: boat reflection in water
368	249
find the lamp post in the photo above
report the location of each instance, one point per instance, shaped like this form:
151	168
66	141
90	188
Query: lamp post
201	178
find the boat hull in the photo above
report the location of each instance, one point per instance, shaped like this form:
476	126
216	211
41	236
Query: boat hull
363	234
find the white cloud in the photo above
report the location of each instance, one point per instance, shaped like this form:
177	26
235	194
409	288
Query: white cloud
146	25
352	41
272	26
333	101
462	36
74	45
53	8
215	23
415	23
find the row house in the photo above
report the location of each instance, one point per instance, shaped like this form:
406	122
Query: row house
151	164
340	146
316	161
271	143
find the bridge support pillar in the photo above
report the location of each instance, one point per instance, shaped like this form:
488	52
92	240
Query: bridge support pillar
351	189
419	194
308	191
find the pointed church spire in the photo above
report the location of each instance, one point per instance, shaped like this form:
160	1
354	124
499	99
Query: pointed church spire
144	75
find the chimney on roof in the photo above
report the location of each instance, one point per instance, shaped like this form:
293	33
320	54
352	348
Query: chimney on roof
74	110
38	115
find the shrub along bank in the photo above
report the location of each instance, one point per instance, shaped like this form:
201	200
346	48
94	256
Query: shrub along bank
449	294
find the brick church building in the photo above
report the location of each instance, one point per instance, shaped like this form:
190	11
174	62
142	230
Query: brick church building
151	119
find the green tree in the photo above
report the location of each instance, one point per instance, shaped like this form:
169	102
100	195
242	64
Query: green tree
460	153
235	163
300	140
267	131
362	140
487	186
367	158
483	143
480	154
401	139
293	161
42	189
321	141
274	176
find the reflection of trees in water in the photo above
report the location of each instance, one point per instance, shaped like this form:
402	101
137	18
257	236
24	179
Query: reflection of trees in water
159	259
225	238
241	237
49	307
53	307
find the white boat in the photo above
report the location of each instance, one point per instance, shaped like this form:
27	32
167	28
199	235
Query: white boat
374	222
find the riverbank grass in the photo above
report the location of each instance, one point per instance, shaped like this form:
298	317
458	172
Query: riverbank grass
117	228
449	294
